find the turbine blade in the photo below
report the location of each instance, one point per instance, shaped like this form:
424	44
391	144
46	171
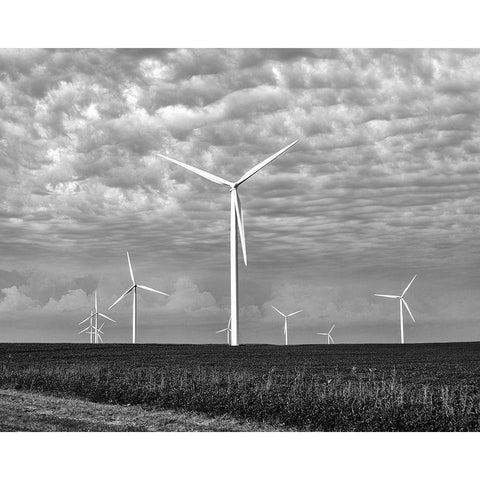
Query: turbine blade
224	330
88	318
198	171
84	330
100	337
152	290
331	339
263	164
278	311
96	302
330	331
108	318
116	301
408	286
322	333
239	213
294	313
229	322
387	296
131	269
405	303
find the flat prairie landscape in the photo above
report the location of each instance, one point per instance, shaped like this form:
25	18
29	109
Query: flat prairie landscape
417	387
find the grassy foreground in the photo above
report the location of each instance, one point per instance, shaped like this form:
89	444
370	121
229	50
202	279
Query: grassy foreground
38	412
432	387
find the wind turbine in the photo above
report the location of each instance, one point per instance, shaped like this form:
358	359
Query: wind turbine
94	330
94	315
228	330
285	328
134	289
236	224
329	335
402	302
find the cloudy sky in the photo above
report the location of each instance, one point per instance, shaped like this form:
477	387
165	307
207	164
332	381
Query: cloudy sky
383	184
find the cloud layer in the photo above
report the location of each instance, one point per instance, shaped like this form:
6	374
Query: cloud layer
383	184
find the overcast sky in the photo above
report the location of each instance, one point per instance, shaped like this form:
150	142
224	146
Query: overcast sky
383	184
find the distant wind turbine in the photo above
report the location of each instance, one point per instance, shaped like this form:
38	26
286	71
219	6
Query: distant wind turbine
94	316
134	289
329	335
228	329
285	328
91	329
236	224
402	302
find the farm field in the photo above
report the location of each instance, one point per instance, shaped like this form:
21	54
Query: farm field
39	412
417	387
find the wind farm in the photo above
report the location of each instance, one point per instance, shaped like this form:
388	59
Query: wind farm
351	174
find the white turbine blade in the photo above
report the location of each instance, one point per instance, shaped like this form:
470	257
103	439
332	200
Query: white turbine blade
238	210
108	318
387	296
116	301
263	164
99	337
88	318
224	330
405	303
278	311
96	302
99	330
408	286
84	330
331	339
229	322
294	313
152	290
198	171
131	269
330	331
322	333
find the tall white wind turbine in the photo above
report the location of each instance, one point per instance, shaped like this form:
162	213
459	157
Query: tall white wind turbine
402	302
329	335
94	317
228	329
133	289
236	224
285	327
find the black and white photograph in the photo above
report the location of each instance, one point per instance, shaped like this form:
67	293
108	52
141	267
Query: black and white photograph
239	239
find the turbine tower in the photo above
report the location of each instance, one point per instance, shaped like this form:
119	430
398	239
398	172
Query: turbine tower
329	335
402	302
133	289
285	328
228	330
94	317
236	224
